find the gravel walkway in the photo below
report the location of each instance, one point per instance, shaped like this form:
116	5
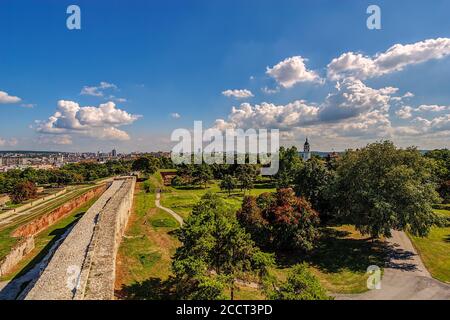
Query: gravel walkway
170	211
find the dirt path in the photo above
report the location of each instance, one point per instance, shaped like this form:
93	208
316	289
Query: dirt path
170	211
405	276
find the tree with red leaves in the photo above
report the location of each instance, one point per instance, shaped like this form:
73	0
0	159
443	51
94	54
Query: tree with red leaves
280	220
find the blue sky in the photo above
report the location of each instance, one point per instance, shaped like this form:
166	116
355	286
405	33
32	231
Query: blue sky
177	57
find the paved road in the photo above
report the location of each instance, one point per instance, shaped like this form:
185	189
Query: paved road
405	276
170	211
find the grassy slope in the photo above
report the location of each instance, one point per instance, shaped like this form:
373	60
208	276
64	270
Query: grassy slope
46	238
144	256
435	250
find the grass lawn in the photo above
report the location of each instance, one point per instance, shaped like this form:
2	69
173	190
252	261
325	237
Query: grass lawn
144	257
435	250
183	199
46	238
6	241
339	261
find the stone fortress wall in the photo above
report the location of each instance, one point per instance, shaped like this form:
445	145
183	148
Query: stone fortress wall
30	229
83	267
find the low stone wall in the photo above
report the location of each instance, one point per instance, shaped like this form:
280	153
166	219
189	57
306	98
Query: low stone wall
87	255
108	234
50	218
16	254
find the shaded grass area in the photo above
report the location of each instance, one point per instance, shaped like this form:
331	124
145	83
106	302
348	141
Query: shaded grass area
435	250
340	259
46	238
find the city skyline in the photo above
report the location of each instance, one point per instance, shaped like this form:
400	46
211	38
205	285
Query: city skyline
315	70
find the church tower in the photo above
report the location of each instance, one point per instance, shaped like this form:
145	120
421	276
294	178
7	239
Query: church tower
306	150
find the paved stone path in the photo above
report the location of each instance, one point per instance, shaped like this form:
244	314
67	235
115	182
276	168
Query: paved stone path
405	276
170	211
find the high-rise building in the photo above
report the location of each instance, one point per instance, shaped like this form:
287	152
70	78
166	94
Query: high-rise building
114	153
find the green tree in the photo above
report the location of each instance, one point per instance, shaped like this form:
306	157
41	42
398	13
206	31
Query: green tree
228	183
144	165
202	175
215	251
380	187
148	186
289	164
311	182
301	284
441	171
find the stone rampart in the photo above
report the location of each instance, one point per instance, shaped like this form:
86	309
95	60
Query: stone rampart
83	267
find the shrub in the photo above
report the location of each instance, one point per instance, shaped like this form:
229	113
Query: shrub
301	284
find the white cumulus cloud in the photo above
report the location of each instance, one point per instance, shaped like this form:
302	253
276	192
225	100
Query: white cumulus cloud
396	58
291	71
98	122
8	142
5	98
238	93
97	91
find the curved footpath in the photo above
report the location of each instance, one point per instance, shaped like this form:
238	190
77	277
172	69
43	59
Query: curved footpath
405	276
170	211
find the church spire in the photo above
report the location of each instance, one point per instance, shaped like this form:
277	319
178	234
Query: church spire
306	150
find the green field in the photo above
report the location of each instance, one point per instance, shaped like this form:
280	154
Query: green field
7	241
45	239
183	199
435	250
144	257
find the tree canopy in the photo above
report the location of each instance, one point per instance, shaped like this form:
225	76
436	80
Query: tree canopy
280	220
380	187
215	251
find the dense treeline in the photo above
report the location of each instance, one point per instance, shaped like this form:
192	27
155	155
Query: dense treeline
442	171
21	184
69	174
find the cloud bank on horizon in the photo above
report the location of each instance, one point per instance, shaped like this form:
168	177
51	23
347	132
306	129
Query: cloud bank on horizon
354	110
100	122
